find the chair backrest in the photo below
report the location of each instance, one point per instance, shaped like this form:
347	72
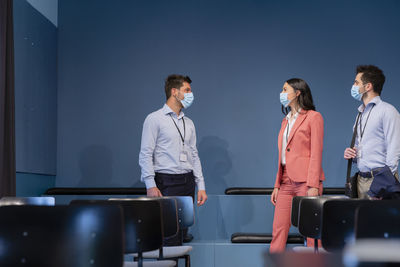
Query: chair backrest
142	222
169	210
310	215
295	210
378	219
185	211
62	236
37	201
338	222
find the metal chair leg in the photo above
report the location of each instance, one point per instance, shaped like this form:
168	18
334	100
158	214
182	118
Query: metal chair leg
315	245
187	260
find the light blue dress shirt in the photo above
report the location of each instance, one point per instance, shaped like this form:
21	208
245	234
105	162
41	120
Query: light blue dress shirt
380	143
162	146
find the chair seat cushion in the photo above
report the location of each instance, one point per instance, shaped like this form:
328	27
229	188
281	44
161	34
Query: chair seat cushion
150	263
303	249
168	252
374	251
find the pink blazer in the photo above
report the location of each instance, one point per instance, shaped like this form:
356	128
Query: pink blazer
303	150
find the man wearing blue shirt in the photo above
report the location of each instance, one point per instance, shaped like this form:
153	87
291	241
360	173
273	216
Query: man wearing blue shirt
168	156
378	131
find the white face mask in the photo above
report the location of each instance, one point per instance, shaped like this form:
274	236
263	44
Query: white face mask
187	101
355	92
283	97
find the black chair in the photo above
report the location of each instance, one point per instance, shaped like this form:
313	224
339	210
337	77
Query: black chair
37	201
169	211
338	222
378	219
310	219
142	224
377	235
310	214
178	213
294	218
62	236
185	220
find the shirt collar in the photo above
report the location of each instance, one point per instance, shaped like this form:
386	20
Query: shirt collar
376	100
167	110
295	115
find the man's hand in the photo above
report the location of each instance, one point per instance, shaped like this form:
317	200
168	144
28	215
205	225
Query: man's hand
201	197
350	153
153	192
274	196
312	192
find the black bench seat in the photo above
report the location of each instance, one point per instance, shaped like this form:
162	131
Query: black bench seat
263	238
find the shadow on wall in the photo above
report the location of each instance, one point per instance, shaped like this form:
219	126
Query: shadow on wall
216	163
96	166
138	183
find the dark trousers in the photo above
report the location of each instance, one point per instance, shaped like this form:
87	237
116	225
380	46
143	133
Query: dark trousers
176	185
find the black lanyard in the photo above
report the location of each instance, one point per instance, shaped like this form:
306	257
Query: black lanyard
362	130
184	129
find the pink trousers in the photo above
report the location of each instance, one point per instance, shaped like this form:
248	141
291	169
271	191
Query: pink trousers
283	209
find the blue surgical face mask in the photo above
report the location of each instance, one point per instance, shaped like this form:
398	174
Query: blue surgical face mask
355	92
284	99
187	100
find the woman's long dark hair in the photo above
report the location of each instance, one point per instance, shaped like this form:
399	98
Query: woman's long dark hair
305	99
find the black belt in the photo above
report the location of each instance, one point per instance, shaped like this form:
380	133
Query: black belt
370	174
169	175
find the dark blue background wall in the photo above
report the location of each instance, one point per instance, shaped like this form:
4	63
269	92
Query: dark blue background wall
35	43
114	55
36	89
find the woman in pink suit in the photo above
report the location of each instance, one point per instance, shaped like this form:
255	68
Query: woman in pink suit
300	145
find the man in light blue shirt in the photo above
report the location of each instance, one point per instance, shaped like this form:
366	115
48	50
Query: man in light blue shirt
378	130
168	156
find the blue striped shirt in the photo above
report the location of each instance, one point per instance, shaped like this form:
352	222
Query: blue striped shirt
162	145
380	142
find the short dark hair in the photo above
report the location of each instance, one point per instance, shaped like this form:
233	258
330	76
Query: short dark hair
372	74
175	81
305	99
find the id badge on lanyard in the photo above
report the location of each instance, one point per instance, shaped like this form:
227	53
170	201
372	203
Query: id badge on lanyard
183	156
359	151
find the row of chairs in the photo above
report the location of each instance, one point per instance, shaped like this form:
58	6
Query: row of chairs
34	232
339	221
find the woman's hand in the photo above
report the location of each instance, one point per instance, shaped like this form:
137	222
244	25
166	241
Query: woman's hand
274	196
312	192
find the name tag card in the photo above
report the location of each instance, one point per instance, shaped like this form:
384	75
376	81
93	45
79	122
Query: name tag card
183	157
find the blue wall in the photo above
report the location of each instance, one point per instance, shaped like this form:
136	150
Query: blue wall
35	43
114	55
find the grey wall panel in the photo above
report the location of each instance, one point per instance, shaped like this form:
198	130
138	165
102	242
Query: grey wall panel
35	40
